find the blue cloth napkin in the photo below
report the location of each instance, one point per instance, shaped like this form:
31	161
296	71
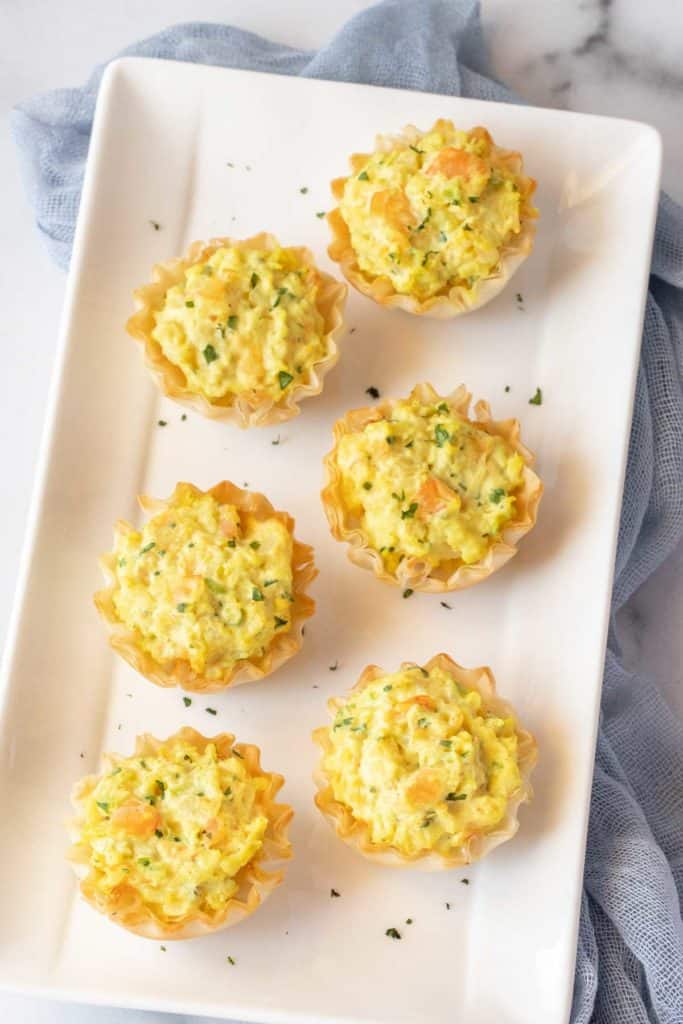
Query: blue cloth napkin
629	967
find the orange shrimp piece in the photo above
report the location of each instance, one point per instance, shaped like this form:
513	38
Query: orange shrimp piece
215	830
137	818
422	700
228	528
425	789
456	163
392	204
433	496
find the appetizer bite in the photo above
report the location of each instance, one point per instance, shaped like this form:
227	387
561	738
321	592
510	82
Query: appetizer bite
182	838
433	222
240	330
210	592
426	497
424	767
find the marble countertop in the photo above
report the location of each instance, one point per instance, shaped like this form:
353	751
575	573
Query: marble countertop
615	57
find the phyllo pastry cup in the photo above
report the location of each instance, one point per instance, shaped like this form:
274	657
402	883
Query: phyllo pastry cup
425	767
210	592
181	839
425	497
240	330
434	223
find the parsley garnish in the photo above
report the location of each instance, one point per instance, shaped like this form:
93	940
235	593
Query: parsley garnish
148	547
284	379
447	744
269	583
276	440
103	806
442	407
303	190
496	495
441	435
334	894
409	920
424	222
156	225
456	796
466	227
256	594
537	399
333	668
214	587
187	701
183	417
387	688
236	753
408	592
393	933
519	297
162	787
255	544
210	354
363	176
158	833
422	723
254	280
232	543
428	819
189	304
231	961
372	391
145	863
367	486
280	622
473	199
320	214
162	423
122	562
409	512
507	387
448	606
182	607
464	881
211	711
415	149
232	322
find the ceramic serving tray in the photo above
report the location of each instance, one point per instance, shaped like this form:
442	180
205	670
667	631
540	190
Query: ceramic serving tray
181	152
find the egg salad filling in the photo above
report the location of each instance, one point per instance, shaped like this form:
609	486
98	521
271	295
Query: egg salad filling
417	758
429	485
244	320
204	582
175	826
436	214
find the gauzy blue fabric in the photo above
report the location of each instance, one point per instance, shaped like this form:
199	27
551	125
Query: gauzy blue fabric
629	966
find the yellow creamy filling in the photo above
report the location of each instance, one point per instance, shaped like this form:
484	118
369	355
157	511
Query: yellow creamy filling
204	583
427	484
175	826
417	757
435	214
243	321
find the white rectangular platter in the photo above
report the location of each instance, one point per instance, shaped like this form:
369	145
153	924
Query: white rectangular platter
502	947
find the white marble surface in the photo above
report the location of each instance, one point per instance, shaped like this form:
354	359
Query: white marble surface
616	57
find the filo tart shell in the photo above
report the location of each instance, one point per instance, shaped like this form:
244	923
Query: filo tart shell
282	647
249	408
256	879
412	572
454	300
355	833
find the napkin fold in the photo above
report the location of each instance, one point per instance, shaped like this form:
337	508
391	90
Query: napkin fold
629	967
